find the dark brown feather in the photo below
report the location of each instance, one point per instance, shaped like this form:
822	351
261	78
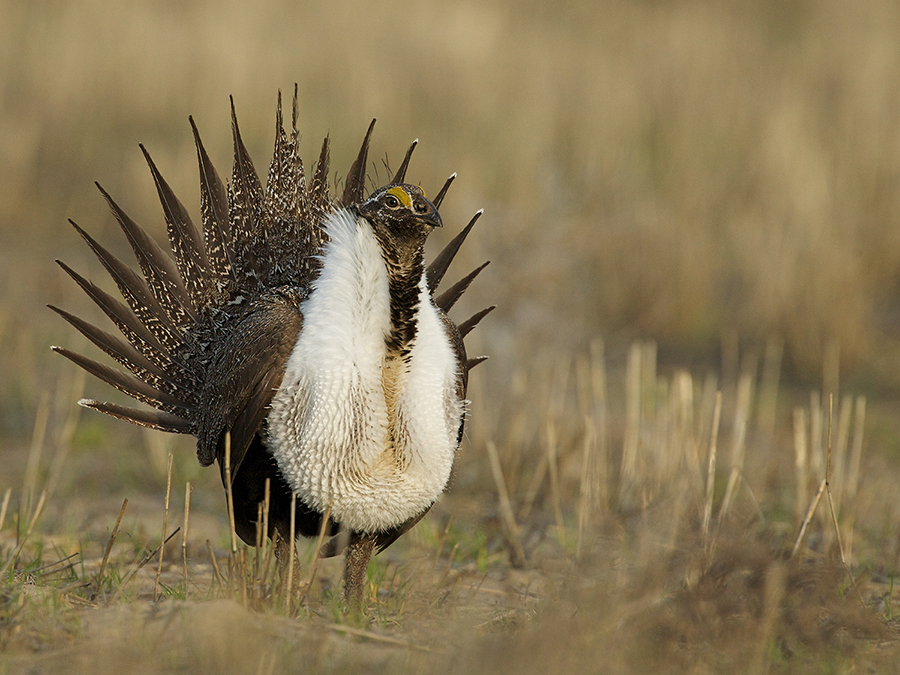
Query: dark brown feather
245	209
127	355
159	330
214	212
158	268
471	363
125	382
190	254
442	260
155	419
355	186
466	326
443	191
448	298
400	176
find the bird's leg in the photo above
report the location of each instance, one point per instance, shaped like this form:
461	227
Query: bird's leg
288	573
356	560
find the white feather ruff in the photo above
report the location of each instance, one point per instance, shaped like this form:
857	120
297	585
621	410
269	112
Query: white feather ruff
370	437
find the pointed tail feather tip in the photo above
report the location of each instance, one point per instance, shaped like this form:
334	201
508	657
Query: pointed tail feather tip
478	360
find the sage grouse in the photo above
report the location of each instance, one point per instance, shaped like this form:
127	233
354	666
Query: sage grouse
301	335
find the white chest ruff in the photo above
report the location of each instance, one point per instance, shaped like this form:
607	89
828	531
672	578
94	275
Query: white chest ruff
369	437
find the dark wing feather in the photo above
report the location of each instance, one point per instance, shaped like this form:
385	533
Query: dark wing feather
242	379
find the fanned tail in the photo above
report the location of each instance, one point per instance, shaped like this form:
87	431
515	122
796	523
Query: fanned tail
252	240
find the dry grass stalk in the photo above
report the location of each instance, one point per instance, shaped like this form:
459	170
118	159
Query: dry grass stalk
711	466
43	569
816	426
741	418
260	537
517	552
852	482
601	420
4	506
34	518
534	486
35	451
552	448
184	533
265	551
292	548
831	367
316	554
587	496
630	473
240	571
648	379
376	637
109	545
267	662
229	499
229	495
555	406
440	546
164	527
685	447
801	536
834	520
801	461
450	558
215	564
839	462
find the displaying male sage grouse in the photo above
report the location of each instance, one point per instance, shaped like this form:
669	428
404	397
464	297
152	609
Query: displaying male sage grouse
300	332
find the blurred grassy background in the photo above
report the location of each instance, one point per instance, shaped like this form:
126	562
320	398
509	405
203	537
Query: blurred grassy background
675	171
710	175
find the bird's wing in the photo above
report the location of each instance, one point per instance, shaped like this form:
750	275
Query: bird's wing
244	375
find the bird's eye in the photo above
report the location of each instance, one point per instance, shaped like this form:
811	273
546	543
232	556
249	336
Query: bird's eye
391	202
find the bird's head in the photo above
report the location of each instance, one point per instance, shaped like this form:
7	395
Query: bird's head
400	213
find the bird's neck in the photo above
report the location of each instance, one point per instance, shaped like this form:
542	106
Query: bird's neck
404	273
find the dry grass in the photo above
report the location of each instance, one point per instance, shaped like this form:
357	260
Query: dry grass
710	186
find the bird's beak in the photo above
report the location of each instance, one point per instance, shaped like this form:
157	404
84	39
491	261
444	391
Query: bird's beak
426	212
